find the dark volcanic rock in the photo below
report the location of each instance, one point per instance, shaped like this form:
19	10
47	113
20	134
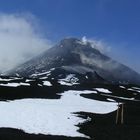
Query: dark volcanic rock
75	56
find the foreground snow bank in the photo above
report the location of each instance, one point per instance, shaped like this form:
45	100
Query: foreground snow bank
51	116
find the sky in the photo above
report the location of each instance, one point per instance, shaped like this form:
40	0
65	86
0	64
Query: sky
28	27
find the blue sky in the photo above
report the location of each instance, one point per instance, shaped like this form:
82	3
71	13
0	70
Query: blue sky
115	22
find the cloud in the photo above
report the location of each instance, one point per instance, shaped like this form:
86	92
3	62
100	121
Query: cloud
20	39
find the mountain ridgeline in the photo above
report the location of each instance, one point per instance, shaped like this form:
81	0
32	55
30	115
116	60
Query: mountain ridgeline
74	56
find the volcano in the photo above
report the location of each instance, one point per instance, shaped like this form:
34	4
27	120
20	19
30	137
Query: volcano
71	92
75	56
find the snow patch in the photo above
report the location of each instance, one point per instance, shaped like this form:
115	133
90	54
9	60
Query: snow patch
29	80
111	100
117	97
43	78
47	83
40	74
69	80
122	87
136	88
10	84
51	116
15	84
24	84
103	90
5	79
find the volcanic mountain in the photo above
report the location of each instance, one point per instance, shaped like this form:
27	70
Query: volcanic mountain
74	56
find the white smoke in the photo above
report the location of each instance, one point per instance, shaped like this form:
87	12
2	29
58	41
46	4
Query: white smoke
107	64
96	59
20	40
84	40
97	44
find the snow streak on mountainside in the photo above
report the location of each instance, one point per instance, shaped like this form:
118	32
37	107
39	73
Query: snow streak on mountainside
78	57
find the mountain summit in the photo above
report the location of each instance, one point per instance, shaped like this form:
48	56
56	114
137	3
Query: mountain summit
79	57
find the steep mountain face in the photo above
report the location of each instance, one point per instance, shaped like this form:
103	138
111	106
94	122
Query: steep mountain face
73	56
